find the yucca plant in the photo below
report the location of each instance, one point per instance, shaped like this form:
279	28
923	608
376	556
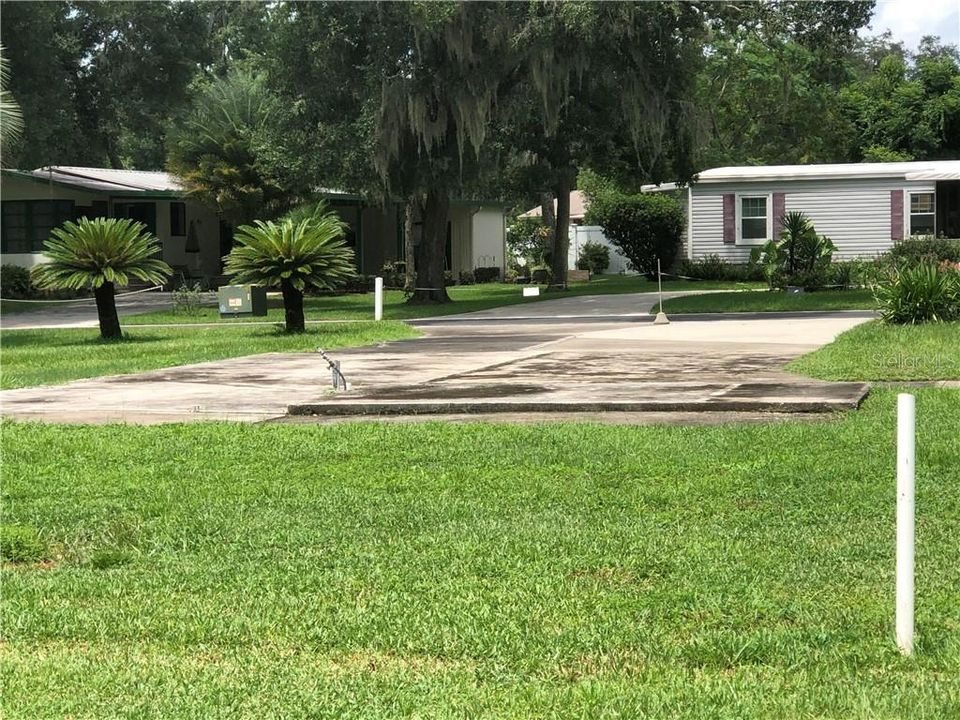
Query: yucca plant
102	254
293	254
918	294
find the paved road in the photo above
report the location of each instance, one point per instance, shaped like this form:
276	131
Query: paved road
84	313
542	360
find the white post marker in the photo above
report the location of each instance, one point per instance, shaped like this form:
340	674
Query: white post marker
378	298
906	441
661	318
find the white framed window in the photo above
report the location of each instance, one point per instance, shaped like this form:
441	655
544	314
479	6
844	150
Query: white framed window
922	219
754	219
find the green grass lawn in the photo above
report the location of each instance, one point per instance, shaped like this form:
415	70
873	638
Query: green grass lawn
467	298
874	351
44	357
459	571
770	302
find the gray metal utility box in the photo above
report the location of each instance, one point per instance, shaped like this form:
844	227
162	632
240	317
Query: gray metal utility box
235	300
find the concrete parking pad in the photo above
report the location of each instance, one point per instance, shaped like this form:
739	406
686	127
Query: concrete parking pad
520	366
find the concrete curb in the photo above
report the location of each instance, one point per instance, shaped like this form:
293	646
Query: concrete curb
644	317
373	407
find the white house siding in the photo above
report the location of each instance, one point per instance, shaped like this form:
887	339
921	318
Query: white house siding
854	213
173	248
487	236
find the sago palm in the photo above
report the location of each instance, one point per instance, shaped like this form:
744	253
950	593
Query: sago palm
294	254
102	253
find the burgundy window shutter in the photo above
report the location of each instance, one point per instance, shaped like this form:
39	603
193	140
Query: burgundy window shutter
896	214
779	210
729	219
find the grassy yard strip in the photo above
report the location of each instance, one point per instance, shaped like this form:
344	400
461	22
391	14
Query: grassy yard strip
769	302
467	298
46	357
875	351
469	570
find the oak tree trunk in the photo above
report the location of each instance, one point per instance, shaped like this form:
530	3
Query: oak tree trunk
431	253
292	307
107	312
561	238
549	215
409	261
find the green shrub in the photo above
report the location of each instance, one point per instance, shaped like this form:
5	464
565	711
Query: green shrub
713	267
594	257
15	283
20	543
529	238
394	274
800	257
187	299
925	249
467	277
919	293
486	274
642	227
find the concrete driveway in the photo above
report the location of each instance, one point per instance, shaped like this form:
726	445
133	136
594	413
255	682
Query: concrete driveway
492	364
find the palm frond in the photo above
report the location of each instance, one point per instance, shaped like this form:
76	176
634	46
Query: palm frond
308	252
88	253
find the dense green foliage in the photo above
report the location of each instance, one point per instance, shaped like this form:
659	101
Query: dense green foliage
919	293
800	257
218	148
643	227
15	282
447	570
594	257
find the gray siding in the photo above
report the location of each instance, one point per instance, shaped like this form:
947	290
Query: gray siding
855	214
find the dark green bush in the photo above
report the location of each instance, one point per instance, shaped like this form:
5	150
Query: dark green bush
925	249
467	277
594	257
919	293
20	543
713	267
642	227
486	274
15	283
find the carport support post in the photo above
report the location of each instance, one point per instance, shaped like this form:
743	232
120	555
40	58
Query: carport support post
378	299
906	441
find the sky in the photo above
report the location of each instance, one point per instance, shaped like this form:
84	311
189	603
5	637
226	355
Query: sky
910	20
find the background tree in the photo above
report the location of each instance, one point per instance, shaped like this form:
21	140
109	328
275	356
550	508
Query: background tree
102	254
304	250
11	119
218	148
608	85
109	77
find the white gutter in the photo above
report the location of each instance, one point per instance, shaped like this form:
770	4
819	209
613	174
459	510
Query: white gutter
689	222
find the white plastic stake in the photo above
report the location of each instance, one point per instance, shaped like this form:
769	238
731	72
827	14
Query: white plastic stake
378	298
906	423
